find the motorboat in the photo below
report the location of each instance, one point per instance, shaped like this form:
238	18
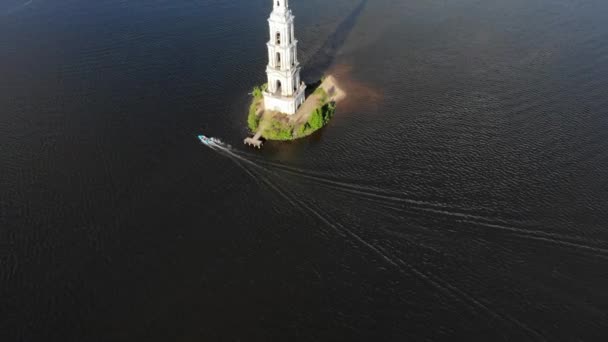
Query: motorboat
209	141
206	140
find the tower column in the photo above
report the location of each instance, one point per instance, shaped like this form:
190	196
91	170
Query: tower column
284	92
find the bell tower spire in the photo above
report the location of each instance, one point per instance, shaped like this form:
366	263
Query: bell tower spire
285	91
281	5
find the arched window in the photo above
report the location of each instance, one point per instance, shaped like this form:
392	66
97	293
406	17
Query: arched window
278	38
278	62
278	86
278	4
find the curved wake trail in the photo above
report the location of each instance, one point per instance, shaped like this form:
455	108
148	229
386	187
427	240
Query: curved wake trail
299	204
238	159
558	239
398	263
283	167
466	298
384	197
19	7
538	235
364	191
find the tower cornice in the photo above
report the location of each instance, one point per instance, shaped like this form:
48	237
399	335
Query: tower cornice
292	45
281	17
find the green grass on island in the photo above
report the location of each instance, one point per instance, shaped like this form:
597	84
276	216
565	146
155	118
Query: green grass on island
253	119
280	127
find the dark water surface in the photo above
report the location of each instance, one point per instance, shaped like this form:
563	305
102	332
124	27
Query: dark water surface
461	191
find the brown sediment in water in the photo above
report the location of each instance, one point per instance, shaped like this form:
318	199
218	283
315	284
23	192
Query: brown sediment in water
332	89
361	96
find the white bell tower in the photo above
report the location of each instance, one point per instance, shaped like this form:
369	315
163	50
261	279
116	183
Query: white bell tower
285	92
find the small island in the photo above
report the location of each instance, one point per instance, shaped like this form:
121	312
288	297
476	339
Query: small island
285	108
315	113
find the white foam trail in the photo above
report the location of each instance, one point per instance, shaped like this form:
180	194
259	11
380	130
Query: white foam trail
301	204
19	7
378	194
236	158
458	294
475	219
399	264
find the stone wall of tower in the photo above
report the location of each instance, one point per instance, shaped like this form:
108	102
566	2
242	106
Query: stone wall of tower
285	91
281	4
282	51
281	42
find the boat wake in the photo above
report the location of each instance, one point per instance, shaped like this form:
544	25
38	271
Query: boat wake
379	240
388	202
18	8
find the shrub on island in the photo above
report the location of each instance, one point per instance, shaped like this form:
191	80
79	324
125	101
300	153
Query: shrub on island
253	119
281	130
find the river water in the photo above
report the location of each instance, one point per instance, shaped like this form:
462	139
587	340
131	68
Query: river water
461	191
